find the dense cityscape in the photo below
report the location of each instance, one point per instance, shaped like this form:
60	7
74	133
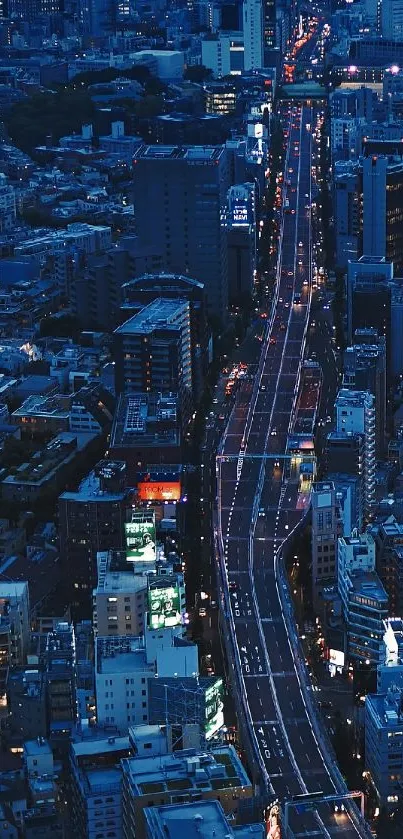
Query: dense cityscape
201	419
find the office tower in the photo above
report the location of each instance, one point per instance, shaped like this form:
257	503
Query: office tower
364	366
369	297
180	196
91	519
173	775
392	19
14	627
383	208
241	239
364	599
324	536
96	784
355	414
152	352
253	34
143	290
347	211
384	745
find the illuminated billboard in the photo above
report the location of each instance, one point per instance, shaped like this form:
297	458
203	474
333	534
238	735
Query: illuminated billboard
164	606
336	657
140	538
272	820
214	708
159	490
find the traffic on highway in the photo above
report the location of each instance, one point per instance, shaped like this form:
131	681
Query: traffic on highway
258	508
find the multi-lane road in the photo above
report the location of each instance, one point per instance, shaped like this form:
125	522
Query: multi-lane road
258	507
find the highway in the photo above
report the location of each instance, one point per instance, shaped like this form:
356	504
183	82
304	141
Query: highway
258	507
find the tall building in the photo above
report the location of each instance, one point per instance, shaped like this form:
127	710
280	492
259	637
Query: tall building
153	352
355	413
384	745
146	288
241	239
364	600
347	211
382	181
364	366
324	536
91	519
369	294
253	34
392	19
180	196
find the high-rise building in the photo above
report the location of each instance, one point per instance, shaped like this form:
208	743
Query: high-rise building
324	536
382	182
91	519
153	352
146	288
355	413
384	745
364	366
347	211
369	294
391	16
241	239
180	196
253	33
364	600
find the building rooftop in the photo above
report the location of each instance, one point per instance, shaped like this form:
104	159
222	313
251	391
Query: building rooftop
367	584
205	154
201	818
146	420
90	489
121	655
160	314
40	746
220	768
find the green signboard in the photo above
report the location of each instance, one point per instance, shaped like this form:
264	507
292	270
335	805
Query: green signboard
214	708
164	606
140	540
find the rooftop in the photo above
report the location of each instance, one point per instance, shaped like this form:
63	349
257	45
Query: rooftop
367	584
219	768
121	655
202	154
100	746
160	314
90	490
146	420
201	818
